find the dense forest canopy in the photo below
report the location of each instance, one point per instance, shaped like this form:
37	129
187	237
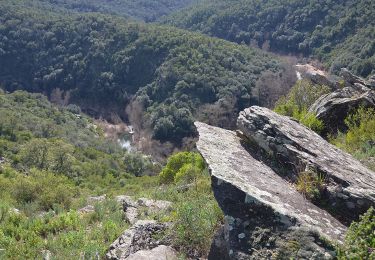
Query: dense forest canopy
102	62
146	10
339	32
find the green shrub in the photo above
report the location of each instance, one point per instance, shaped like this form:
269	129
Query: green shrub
298	101
196	223
178	164
312	122
310	184
360	239
360	138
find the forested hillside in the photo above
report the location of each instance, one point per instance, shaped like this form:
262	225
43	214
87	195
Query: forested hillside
102	63
146	10
55	160
339	32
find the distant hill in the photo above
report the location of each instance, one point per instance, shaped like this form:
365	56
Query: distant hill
341	33
147	10
102	63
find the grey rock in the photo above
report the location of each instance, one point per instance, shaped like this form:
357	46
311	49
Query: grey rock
126	201
155	205
130	208
139	237
158	253
131	214
96	199
333	108
350	77
247	188
46	254
87	209
295	148
133	208
315	75
15	211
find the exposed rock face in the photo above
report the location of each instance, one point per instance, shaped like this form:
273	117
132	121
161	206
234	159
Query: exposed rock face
87	209
263	211
96	199
333	108
139	241
132	207
307	71
353	79
158	253
140	236
350	185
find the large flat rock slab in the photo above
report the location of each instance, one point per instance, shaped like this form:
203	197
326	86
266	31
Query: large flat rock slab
351	185
231	165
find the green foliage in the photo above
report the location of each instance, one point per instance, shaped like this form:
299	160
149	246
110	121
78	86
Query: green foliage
66	235
298	101
50	171
310	184
180	166
341	32
102	61
53	160
140	165
310	120
148	11
360	138
196	223
360	239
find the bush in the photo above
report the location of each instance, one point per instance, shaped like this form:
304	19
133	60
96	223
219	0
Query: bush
181	164
359	140
360	239
312	122
310	184
196	223
298	101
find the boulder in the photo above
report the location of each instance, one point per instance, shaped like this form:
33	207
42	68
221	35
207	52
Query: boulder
263	211
371	82
148	206
315	75
141	236
333	108
351	78
155	206
158	253
292	148
130	208
96	199
87	209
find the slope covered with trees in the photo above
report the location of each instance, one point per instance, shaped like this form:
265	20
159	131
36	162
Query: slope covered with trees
339	32
54	159
102	63
146	10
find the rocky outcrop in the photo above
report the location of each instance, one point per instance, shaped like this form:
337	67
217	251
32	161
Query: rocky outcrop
140	237
333	108
355	80
255	172
139	241
262	209
315	75
158	253
133	208
350	187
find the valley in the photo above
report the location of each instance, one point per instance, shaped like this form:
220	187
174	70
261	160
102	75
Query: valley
168	129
